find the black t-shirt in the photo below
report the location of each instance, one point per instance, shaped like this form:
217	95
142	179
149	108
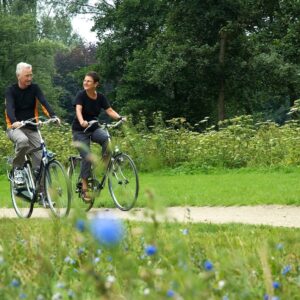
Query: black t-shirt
22	104
91	108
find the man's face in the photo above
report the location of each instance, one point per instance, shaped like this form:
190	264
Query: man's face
25	77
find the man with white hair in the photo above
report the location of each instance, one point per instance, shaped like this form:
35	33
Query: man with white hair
21	103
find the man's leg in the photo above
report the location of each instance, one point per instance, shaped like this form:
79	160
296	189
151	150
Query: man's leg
21	142
34	142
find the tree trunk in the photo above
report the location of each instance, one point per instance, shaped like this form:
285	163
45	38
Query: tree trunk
221	98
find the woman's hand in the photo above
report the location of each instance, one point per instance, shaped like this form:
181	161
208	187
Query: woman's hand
84	124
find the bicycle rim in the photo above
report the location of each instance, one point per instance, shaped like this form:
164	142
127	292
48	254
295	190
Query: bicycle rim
123	182
74	176
58	189
21	199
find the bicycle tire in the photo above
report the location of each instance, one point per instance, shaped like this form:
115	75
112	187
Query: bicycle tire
123	181
58	189
74	175
22	200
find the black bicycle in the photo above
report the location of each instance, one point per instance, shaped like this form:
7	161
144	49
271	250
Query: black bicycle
51	176
121	174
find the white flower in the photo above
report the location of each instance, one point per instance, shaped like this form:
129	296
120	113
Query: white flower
221	284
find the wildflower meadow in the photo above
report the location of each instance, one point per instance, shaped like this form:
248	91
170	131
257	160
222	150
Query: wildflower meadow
107	258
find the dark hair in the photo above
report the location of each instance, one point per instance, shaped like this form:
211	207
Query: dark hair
94	75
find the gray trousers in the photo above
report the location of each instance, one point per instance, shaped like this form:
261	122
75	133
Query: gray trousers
98	136
24	140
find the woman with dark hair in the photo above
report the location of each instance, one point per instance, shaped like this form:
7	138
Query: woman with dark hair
88	105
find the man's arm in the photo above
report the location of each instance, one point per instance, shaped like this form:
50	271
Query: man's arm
10	107
47	109
10	115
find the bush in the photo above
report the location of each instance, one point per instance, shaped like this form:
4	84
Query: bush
238	143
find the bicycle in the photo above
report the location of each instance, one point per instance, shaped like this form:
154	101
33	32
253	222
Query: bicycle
56	184
120	172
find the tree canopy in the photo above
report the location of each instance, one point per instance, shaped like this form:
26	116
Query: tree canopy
186	58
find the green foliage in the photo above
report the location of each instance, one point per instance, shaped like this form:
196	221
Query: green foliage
166	56
238	143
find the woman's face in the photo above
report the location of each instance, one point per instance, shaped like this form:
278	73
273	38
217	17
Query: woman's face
89	84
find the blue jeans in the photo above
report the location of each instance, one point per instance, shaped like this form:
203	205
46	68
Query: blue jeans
98	136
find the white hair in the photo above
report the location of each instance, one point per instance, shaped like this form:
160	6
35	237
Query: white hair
21	66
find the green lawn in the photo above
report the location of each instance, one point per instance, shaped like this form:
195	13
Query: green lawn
231	187
222	187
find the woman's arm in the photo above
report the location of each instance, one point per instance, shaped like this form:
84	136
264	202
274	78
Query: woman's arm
79	116
113	114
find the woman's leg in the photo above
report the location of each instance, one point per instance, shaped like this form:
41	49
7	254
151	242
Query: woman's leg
100	136
82	140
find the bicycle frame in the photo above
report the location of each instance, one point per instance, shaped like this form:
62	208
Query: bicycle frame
35	183
101	183
120	171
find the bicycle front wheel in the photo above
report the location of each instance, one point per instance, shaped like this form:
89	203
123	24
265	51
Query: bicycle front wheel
58	189
123	182
21	198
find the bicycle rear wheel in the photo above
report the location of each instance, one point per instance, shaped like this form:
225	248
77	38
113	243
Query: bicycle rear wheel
123	182
58	189
22	196
76	185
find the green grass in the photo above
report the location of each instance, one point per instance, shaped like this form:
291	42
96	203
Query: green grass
230	187
218	187
246	261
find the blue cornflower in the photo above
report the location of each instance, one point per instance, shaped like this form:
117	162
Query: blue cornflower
80	250
225	297
279	246
57	296
208	265
150	250
275	298
276	285
266	297
71	294
170	293
22	296
80	225
69	260
15	282
107	231
96	259
60	285
286	270
184	231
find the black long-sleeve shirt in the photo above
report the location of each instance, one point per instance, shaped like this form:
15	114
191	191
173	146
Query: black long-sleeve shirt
22	104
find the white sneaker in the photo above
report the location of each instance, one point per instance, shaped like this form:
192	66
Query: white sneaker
19	176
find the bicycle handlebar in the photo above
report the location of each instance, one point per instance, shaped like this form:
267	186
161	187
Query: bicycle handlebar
38	123
103	125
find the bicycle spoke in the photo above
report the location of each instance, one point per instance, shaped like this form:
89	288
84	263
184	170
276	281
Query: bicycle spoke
57	189
123	182
22	197
76	185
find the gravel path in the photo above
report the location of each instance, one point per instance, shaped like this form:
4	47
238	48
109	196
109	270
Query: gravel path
273	215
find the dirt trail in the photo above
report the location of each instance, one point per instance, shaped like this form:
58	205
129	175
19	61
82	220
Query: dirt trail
273	215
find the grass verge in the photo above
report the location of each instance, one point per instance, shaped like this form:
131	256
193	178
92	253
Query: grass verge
149	261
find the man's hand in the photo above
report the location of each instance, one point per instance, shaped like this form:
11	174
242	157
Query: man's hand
122	118
84	124
16	124
57	119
